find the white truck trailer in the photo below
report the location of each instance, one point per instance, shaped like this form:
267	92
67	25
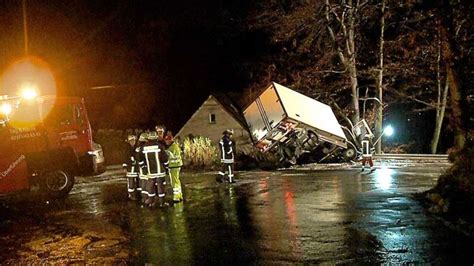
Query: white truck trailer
290	123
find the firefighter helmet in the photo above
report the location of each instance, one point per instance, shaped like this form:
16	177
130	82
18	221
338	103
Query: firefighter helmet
152	136
143	137
131	137
229	131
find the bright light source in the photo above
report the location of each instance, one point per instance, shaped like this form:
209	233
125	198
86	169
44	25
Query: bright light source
6	109
29	72
388	130
28	92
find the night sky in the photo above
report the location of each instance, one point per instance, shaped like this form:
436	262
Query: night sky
156	61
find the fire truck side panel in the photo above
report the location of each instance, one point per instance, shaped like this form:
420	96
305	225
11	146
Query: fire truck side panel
13	167
60	141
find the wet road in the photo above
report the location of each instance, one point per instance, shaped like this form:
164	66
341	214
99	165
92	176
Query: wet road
266	218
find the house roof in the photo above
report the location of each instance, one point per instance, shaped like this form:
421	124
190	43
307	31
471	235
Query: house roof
227	105
231	107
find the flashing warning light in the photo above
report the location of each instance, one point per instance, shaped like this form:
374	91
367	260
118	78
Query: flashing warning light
28	78
6	109
28	92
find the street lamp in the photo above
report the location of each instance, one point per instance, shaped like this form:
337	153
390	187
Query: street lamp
388	131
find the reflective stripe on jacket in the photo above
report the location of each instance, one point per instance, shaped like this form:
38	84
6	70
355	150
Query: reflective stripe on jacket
155	160
131	164
174	156
366	148
227	147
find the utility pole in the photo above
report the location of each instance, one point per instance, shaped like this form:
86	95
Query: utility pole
25	27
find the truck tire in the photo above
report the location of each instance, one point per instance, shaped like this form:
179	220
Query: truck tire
57	183
349	154
313	140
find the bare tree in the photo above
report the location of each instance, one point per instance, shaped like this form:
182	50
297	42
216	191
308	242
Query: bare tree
343	15
454	86
379	83
441	101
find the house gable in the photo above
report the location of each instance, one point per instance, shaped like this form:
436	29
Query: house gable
200	124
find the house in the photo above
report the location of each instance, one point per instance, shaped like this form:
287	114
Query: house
215	115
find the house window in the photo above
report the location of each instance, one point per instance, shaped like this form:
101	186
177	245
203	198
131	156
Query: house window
212	118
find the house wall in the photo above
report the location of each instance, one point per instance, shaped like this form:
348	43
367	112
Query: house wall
199	125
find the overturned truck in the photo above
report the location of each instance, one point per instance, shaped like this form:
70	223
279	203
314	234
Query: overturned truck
287	122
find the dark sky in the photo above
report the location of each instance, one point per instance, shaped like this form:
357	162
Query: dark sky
162	57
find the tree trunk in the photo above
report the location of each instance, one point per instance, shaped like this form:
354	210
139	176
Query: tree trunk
441	101
439	118
454	88
379	85
350	47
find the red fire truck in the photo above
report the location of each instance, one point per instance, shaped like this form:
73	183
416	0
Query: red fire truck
44	142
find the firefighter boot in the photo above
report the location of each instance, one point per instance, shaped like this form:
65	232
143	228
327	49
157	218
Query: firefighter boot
177	195
132	196
220	177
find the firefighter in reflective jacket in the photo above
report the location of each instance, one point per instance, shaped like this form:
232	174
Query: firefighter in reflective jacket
155	162
367	150
227	150
142	176
175	163
131	167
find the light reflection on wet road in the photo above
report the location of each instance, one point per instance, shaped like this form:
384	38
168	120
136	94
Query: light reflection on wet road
267	217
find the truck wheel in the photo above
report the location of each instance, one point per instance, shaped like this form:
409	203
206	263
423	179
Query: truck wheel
349	154
313	140
57	183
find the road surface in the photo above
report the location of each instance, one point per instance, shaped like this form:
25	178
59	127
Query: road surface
324	216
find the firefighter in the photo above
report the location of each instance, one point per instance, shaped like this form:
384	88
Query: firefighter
155	162
175	163
143	177
367	150
131	167
227	150
160	130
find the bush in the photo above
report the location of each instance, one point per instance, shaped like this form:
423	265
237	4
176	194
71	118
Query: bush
200	153
453	195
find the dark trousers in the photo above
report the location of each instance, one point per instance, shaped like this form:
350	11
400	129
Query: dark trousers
227	170
132	184
160	186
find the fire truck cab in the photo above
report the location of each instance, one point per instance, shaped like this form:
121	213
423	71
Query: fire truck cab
44	143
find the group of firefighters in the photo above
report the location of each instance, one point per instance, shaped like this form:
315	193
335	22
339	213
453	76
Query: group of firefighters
154	154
